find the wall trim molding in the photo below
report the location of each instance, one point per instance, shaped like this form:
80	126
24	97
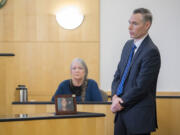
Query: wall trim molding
7	54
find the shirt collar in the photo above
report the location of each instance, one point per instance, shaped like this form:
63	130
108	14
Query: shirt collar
139	41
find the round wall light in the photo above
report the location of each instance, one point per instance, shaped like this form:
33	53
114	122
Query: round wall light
69	17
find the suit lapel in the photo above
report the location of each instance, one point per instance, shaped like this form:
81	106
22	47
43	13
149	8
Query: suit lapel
139	50
138	53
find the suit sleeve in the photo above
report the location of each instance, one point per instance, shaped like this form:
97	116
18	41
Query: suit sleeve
116	80
146	78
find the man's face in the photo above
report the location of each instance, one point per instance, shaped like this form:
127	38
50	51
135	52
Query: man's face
137	27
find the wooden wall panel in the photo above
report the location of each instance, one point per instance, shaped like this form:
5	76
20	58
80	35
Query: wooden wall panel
168	110
42	66
43	50
35	21
6	86
50	108
163	93
70	126
3	65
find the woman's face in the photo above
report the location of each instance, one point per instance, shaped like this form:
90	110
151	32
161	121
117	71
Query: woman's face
77	71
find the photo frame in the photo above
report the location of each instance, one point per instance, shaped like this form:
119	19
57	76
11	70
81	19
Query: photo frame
65	104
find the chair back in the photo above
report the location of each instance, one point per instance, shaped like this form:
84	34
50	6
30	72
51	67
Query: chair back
104	95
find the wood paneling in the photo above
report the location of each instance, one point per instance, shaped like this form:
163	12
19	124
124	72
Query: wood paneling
109	118
43	50
98	108
168	93
5	96
35	20
168	110
70	126
42	66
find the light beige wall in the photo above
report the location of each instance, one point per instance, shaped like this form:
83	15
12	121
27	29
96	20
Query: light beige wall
43	50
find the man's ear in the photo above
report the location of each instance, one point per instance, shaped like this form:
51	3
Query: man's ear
147	25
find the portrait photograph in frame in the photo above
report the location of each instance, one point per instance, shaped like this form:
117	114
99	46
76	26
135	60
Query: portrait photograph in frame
65	104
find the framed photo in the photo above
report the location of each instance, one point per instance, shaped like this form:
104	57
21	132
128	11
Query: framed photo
65	104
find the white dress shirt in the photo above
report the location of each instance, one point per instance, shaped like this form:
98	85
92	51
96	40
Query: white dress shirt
138	42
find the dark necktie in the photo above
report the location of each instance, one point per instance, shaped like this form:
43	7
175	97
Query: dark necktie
120	87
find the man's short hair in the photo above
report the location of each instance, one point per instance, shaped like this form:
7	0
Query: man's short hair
146	13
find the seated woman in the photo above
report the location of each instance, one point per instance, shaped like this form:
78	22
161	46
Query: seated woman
84	89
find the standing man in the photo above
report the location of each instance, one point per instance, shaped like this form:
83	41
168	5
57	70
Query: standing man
134	84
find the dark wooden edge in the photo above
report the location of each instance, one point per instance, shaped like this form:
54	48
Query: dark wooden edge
89	102
58	112
95	102
50	102
161	96
77	115
7	54
167	96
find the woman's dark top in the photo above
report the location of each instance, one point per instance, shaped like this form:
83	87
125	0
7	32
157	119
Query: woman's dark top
92	92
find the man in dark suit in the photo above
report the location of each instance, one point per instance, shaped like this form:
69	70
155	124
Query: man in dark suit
134	84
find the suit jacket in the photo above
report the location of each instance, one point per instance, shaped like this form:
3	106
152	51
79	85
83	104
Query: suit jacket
92	91
139	93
